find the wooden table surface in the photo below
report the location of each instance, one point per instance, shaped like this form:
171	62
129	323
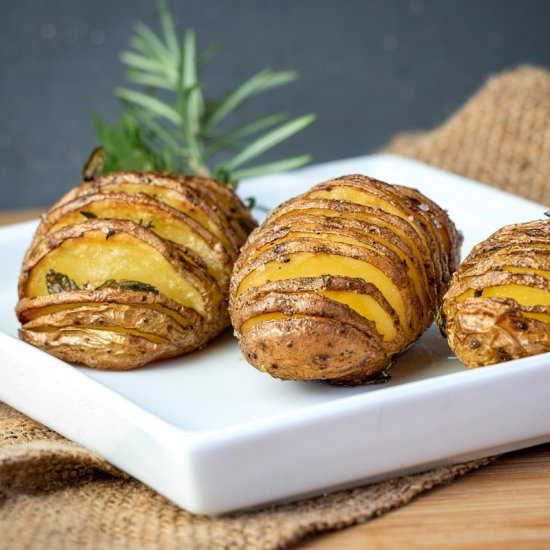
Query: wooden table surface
505	505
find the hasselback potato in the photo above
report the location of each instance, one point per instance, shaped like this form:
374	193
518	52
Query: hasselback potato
497	307
339	280
132	267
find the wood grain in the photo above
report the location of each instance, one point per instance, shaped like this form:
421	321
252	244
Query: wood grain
505	505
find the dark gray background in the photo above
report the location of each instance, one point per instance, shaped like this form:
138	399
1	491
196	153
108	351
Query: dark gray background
368	68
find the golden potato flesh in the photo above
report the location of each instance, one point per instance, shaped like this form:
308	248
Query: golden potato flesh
131	268
497	307
230	224
338	281
90	259
160	218
310	264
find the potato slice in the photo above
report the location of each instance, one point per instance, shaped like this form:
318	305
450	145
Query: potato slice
107	315
492	330
498	305
97	250
353	301
305	261
221	197
353	232
439	222
521	286
176	192
30	308
355	267
163	220
145	322
100	348
381	196
132	267
347	213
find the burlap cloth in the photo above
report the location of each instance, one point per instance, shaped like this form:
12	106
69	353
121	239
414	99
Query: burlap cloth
55	494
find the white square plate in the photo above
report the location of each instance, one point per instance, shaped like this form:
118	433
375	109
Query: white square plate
213	434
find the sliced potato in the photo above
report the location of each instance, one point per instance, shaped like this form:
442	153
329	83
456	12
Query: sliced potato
380	197
341	279
497	307
173	192
351	301
302	259
100	348
161	219
31	308
146	322
221	197
355	232
331	211
139	262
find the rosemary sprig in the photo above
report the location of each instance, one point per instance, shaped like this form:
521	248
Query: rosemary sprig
168	124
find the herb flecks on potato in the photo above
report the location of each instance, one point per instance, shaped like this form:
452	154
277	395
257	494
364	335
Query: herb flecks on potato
497	307
339	280
132	267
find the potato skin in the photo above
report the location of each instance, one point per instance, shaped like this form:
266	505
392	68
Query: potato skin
100	349
493	330
484	330
311	327
124	328
30	308
343	353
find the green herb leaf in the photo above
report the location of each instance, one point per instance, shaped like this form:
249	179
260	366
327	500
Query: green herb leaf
155	106
180	131
59	282
88	215
125	146
256	126
278	166
146	225
125	284
269	140
208	54
168	29
147	79
168	139
191	103
152	45
258	83
140	62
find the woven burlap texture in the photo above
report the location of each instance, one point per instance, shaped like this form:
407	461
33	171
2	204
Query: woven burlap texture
500	137
55	494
